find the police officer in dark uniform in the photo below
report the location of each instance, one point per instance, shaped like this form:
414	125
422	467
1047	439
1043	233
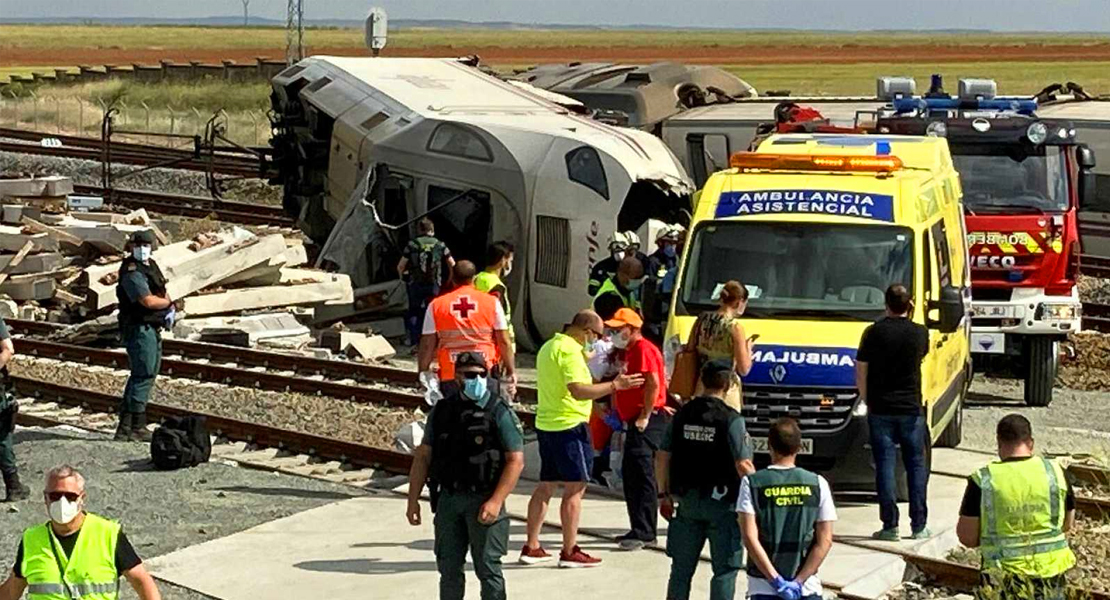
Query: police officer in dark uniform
14	490
144	308
471	456
699	466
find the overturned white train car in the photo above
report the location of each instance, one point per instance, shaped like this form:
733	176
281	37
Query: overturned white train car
366	146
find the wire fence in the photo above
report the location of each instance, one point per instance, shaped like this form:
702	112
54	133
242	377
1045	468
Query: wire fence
74	115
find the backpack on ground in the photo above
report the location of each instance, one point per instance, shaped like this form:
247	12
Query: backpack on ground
180	442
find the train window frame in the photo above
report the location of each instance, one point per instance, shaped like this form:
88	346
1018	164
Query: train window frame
487	153
577	176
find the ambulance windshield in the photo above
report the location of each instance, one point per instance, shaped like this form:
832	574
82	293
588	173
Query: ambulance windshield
798	270
998	178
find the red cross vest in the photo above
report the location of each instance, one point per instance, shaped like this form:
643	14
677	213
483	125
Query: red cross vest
465	320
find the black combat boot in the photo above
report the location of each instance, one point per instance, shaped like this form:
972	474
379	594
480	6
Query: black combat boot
138	427
123	432
15	489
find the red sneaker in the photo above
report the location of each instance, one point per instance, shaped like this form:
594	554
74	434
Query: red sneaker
577	559
533	556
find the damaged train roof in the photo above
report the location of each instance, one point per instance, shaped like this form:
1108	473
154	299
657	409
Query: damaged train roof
447	90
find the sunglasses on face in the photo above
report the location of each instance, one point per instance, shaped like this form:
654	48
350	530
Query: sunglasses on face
473	374
55	496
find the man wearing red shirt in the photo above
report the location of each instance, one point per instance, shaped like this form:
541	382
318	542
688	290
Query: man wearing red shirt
645	421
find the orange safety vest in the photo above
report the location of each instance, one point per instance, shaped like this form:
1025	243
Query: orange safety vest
464	321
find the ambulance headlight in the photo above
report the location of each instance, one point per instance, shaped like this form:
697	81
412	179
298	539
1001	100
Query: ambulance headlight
860	409
936	129
1037	133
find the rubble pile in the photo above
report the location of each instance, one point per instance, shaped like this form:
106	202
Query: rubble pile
1094	289
60	257
1091	368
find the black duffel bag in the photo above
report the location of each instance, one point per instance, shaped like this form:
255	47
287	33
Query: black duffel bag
180	442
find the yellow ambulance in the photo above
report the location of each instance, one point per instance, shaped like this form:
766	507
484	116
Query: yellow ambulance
817	226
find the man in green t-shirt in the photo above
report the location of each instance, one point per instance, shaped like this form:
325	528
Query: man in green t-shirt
566	394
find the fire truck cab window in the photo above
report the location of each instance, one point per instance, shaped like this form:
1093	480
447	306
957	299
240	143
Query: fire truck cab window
1000	179
455	140
584	167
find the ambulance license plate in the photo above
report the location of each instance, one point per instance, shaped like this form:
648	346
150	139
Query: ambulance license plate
760	445
988	343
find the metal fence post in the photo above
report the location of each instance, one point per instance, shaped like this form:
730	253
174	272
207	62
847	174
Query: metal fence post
173	118
57	114
80	116
147	128
18	105
254	126
199	120
34	109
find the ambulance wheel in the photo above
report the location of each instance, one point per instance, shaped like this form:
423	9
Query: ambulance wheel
953	433
1040	372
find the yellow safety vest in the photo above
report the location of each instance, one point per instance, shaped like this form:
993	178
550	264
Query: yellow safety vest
489	282
629	300
88	574
1021	524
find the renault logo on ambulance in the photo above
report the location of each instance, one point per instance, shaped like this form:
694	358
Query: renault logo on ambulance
778	373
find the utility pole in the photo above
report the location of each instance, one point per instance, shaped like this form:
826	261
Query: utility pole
294	32
246	14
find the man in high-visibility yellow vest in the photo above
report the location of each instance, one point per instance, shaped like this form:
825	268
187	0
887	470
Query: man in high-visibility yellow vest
75	554
499	263
620	290
1016	511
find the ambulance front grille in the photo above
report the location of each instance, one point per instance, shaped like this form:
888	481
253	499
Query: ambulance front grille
552	251
816	409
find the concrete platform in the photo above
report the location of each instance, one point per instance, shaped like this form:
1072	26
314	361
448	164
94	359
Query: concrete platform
341	550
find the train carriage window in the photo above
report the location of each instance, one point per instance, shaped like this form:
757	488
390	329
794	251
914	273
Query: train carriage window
463	224
455	140
584	167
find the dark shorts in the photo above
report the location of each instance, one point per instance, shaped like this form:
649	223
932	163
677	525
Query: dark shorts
566	455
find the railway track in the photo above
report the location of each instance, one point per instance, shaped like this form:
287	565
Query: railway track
221	161
197	207
248	358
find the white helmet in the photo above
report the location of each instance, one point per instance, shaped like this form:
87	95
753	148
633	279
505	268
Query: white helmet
670	233
618	241
633	239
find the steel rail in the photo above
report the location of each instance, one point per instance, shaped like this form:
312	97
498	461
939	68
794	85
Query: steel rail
303	365
318	446
198	207
226	375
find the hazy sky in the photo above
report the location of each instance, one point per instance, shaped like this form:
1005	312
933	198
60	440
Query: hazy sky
1043	15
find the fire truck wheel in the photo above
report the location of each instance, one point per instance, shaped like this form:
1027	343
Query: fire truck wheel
1040	371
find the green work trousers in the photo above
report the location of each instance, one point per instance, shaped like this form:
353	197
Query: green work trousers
144	355
697	519
457	530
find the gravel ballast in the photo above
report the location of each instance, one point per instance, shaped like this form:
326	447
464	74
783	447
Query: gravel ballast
161	511
373	425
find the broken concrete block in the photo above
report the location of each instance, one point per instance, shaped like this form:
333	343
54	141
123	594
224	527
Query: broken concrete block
29	289
13	213
30	312
36	186
370	347
227	337
327	287
257	327
269	273
8	308
337	340
367	301
12	239
32	263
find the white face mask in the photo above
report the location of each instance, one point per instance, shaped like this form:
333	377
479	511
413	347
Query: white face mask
620	339
618	255
141	253
508	269
63	511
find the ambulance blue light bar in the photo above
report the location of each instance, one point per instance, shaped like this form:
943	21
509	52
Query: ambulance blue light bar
1021	106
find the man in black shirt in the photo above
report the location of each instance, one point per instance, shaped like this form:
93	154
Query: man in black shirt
64	496
888	375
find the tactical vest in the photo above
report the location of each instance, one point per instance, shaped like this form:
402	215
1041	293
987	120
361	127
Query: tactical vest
467	454
1021	523
701	456
464	320
89	572
786	505
490	282
610	286
133	313
603	270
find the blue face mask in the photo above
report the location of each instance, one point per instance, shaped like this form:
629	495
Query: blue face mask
591	345
635	284
670	251
476	389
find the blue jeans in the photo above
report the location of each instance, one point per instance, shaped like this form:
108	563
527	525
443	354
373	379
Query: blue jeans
910	433
420	295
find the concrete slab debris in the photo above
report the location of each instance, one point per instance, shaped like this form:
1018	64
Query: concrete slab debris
41	288
370	347
37	186
319	288
367	302
12	239
13	213
255	327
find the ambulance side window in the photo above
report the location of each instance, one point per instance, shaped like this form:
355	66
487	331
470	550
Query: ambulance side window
938	233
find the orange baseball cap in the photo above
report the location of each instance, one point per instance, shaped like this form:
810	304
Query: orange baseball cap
625	316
